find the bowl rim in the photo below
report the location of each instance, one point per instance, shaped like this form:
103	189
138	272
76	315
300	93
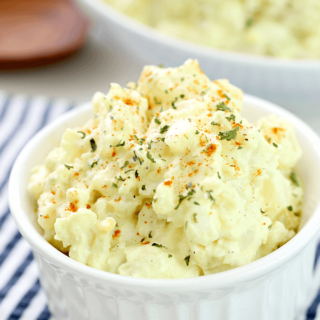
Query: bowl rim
247	272
152	35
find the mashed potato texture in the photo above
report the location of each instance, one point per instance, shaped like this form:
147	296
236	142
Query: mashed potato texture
281	28
168	180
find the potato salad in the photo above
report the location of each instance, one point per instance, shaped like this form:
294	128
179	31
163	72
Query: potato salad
168	180
280	28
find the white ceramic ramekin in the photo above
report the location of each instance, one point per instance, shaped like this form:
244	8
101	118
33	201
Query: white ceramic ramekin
293	84
276	287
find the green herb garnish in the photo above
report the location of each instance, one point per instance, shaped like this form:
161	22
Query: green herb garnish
68	167
158	245
290	208
222	107
226	96
135	158
93	145
94	163
150	157
164	129
114	185
83	134
275	145
125	164
143	187
249	22
181	198
157	121
156	102
228	135
187	260
120	144
294	179
231	118
210	196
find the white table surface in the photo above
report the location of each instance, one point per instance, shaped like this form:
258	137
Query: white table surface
77	78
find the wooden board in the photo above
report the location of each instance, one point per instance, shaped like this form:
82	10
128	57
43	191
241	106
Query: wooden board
39	32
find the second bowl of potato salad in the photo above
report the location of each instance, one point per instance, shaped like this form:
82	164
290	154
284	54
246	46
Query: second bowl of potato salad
269	49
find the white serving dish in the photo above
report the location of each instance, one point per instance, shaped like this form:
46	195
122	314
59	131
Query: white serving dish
293	84
275	287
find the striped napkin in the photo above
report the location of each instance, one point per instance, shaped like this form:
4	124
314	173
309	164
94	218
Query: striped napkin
21	296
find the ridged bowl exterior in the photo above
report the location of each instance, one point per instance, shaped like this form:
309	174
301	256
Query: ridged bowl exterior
279	295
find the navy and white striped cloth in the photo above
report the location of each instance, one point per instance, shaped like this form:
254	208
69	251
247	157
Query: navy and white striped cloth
21	296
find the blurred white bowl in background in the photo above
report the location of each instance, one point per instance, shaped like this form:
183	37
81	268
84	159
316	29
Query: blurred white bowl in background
277	286
293	84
